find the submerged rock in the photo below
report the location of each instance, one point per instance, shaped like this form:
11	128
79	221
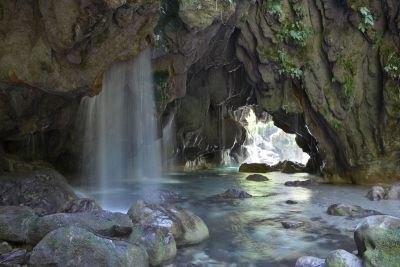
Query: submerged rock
160	195
186	227
15	222
393	192
159	244
309	182
257	177
15	258
342	258
75	246
255	167
291	202
376	193
378	241
308	261
46	190
292	224
350	210
80	205
104	223
234	193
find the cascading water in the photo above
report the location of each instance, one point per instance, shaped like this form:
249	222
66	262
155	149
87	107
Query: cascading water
120	129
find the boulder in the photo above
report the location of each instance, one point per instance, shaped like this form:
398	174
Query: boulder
5	248
159	244
308	261
393	192
255	167
378	241
104	223
186	227
350	210
15	222
45	190
342	258
293	167
234	193
376	193
80	205
74	246
257	177
160	195
292	224
309	182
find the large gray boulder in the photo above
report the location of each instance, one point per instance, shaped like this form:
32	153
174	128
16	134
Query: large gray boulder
104	223
376	193
45	190
378	241
15	222
186	227
160	246
393	192
73	246
342	258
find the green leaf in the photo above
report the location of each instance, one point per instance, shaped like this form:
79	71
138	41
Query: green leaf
361	27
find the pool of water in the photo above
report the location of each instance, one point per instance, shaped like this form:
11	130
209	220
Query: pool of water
248	232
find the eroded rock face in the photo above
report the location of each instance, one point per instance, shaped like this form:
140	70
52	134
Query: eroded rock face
79	247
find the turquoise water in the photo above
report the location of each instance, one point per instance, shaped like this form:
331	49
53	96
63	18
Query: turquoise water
248	232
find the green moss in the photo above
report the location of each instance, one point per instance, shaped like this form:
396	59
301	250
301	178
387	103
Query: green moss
349	71
161	89
168	20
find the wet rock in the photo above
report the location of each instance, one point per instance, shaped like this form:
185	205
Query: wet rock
15	222
257	177
79	247
186	227
193	265
342	258
293	167
5	248
104	223
292	224
159	244
80	205
378	241
291	202
309	182
376	193
255	167
308	261
393	192
350	210
44	189
234	193
160	195
15	258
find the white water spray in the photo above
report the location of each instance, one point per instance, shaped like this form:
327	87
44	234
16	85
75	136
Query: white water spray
120	129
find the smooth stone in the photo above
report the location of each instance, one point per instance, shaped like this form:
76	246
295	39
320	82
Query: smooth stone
350	210
186	227
342	258
393	192
5	248
257	177
309	261
376	193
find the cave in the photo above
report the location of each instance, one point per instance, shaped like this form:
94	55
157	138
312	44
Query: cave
163	133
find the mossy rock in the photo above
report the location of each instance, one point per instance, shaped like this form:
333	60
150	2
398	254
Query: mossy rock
378	241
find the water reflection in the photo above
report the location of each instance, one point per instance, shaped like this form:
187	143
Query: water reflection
248	232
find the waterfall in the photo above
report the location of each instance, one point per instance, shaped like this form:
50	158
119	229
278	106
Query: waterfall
119	129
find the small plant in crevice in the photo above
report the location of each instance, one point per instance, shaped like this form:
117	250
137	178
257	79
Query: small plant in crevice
349	71
273	7
393	65
367	19
378	39
296	31
299	11
245	18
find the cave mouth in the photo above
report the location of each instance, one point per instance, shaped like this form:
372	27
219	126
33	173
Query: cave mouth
267	143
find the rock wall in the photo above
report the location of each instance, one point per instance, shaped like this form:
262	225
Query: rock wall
328	71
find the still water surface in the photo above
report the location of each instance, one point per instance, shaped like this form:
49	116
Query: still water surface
248	232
